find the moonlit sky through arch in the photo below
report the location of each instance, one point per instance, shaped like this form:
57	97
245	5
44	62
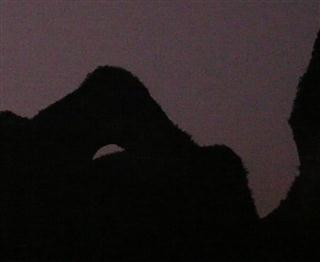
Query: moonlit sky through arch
224	71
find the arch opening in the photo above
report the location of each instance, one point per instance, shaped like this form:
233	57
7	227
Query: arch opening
108	150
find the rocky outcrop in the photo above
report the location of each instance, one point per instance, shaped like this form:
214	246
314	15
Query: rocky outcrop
294	226
164	198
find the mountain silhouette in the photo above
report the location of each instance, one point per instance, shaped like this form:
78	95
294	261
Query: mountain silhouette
185	197
164	198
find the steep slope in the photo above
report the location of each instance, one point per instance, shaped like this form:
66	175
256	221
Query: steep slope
294	227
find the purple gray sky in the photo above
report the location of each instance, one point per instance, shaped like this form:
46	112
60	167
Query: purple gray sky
224	71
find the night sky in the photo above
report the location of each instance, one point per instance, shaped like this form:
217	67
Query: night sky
224	71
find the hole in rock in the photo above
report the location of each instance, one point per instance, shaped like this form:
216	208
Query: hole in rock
108	150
